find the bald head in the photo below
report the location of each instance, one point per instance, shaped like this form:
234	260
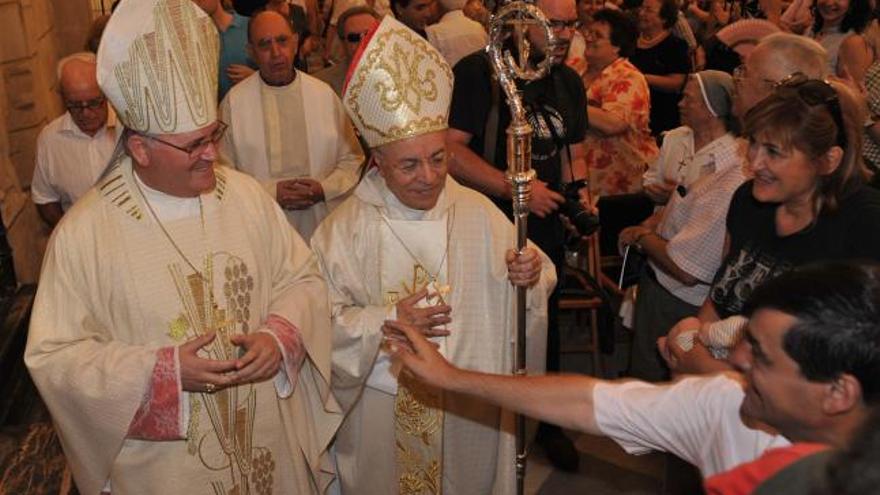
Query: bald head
272	44
777	56
80	93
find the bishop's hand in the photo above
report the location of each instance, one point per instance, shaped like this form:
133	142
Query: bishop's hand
429	319
261	360
523	270
198	374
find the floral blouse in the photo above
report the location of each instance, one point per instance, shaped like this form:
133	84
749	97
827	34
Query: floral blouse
616	163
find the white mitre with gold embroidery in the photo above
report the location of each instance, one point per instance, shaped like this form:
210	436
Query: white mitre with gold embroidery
400	86
157	64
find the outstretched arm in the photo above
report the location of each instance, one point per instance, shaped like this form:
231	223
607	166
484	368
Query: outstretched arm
566	400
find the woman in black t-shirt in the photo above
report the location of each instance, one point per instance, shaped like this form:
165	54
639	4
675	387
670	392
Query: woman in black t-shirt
808	200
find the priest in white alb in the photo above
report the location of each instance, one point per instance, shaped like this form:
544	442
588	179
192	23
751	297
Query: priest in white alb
180	335
412	244
289	130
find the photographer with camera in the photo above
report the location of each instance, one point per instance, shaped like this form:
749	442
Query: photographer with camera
479	116
683	242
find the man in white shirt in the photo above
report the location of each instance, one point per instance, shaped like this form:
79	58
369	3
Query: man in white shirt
289	130
809	373
74	149
456	35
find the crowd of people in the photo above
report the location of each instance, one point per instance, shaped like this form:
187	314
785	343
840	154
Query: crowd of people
282	258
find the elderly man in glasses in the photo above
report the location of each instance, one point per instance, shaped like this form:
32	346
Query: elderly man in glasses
289	130
180	335
73	149
352	26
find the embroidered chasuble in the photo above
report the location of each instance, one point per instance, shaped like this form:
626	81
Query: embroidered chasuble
398	437
114	290
299	130
414	257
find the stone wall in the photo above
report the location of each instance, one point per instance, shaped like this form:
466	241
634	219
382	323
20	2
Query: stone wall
34	34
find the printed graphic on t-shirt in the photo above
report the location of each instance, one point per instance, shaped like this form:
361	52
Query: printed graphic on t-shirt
546	141
740	276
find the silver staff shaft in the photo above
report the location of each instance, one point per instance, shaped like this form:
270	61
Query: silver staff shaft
513	20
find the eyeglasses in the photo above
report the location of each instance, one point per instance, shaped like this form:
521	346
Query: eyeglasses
355	37
192	149
815	92
80	106
559	25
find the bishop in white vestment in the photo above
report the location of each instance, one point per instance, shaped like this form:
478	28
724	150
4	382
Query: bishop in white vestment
413	244
289	130
180	334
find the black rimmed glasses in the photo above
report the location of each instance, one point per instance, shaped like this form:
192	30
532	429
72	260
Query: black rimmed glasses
81	106
355	37
193	148
559	25
815	92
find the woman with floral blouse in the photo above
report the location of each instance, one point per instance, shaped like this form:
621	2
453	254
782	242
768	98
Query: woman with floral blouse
619	144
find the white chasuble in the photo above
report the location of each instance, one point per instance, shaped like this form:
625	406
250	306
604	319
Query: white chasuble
355	250
414	257
115	289
288	132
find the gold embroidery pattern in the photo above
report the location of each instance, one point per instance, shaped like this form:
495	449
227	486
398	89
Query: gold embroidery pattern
180	55
407	86
228	446
220	187
418	413
114	188
411	83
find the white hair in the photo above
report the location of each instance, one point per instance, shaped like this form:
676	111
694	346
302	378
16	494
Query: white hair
789	53
87	57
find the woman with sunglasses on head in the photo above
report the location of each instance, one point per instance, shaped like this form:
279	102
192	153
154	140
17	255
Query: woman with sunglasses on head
808	201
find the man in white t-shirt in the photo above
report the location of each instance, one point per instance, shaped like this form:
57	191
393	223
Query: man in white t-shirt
455	35
809	373
74	149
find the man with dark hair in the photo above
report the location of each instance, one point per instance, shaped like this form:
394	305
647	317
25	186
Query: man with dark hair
352	26
809	372
555	106
416	14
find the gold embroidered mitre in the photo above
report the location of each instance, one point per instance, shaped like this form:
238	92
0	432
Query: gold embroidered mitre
399	86
157	64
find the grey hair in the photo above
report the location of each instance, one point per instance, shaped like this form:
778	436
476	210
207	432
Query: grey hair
791	53
87	57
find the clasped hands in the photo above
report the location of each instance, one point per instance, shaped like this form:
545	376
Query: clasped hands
298	194
261	361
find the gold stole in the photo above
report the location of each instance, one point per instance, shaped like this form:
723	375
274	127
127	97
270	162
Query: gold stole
418	409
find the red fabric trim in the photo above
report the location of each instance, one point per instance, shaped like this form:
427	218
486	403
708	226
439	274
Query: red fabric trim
292	347
746	477
158	418
362	47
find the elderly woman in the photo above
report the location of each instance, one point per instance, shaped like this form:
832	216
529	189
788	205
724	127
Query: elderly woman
618	144
684	241
808	202
664	59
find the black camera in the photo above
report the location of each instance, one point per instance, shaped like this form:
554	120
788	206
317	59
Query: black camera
583	220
